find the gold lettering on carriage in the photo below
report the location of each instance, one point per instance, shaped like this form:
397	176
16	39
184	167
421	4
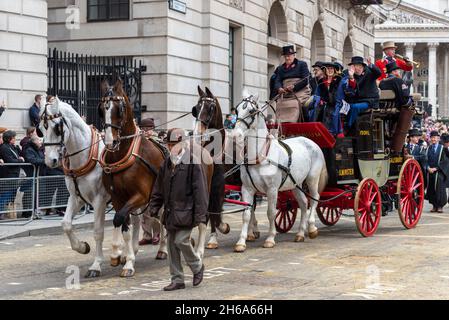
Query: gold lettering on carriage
364	132
396	160
346	172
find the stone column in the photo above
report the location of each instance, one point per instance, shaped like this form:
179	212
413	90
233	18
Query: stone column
433	76
409	46
445	88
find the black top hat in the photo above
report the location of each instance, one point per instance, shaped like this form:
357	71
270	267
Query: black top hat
434	133
318	64
147	123
328	65
445	138
414	133
392	66
288	50
357	60
338	66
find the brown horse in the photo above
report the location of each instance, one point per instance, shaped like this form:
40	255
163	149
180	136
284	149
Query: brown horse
130	166
209	116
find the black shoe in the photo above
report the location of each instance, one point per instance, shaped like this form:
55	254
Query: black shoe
198	277
174	286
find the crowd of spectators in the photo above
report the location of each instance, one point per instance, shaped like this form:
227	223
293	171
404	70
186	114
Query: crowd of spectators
14	156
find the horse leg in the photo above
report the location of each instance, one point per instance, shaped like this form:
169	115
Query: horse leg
99	217
253	230
302	201
162	252
213	241
313	189
116	254
272	196
73	207
135	221
248	197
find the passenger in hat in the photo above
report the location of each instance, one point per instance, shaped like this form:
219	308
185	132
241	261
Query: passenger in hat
327	91
437	169
338	67
395	83
292	79
316	76
413	150
182	189
361	90
389	52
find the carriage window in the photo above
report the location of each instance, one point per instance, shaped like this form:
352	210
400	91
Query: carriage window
378	136
102	10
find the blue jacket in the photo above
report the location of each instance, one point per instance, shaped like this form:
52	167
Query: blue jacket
299	70
34	115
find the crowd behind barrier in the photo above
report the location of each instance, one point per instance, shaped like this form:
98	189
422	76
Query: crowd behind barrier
31	195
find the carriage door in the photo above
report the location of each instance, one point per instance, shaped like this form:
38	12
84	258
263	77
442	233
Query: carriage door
378	139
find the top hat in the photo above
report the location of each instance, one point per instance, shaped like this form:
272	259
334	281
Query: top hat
328	65
175	135
388	44
287	50
414	133
357	60
318	64
434	133
147	123
392	66
445	138
338	66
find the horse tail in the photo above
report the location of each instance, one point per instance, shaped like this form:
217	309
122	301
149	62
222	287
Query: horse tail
324	176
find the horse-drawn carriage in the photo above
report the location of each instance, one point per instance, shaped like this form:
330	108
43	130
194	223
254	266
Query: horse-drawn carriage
368	172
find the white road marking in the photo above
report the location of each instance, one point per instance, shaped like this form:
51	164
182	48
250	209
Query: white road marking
7	243
444	277
254	260
294	263
105	294
216	257
337	267
15	283
38	245
54	289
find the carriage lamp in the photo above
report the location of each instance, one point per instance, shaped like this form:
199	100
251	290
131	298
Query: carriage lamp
365	2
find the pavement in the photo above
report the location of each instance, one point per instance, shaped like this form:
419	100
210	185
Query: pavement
340	264
48	225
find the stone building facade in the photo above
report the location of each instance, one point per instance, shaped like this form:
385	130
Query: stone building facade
23	58
227	45
421	32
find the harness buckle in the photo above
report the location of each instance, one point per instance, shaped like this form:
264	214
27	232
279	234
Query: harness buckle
107	170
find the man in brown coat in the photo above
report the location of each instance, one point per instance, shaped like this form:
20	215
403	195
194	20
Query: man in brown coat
181	187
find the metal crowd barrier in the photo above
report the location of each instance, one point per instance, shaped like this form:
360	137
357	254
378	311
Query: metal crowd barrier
17	194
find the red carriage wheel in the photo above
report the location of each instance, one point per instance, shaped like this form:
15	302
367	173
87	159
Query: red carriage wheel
329	215
367	207
411	193
285	219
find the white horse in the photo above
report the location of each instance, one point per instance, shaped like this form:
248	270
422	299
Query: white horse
267	154
62	127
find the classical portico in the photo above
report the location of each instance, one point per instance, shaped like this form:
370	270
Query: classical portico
423	36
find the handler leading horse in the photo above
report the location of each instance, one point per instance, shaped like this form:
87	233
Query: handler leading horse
271	166
130	167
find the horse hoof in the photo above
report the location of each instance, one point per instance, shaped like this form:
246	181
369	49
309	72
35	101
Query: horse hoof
256	234
268	244
314	234
192	241
239	248
93	274
251	238
212	246
227	230
161	255
115	262
127	273
299	239
87	248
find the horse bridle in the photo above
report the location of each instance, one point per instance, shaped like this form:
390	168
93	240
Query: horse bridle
110	97
252	113
59	129
197	113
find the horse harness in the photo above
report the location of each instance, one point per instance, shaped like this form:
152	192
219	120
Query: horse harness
93	151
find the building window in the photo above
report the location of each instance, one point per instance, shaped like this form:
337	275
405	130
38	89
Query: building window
231	64
103	10
300	22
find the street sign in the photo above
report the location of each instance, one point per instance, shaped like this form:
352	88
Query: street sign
178	6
